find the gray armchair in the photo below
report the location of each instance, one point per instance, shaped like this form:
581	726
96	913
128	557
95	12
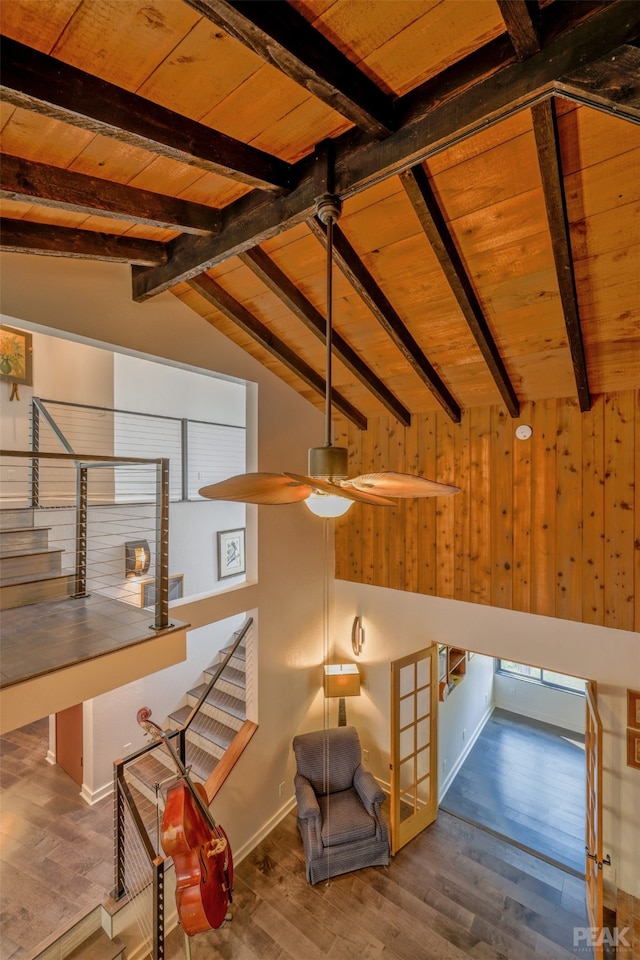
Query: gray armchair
339	805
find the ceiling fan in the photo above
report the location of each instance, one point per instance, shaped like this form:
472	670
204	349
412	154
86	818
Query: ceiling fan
327	491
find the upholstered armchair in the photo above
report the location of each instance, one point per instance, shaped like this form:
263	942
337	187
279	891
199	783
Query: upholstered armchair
339	804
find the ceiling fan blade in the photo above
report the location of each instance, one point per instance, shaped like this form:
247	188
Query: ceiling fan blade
392	484
271	488
337	490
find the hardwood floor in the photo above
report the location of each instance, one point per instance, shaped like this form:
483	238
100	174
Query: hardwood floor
525	780
453	893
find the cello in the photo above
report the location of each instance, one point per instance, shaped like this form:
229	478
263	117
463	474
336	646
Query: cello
198	846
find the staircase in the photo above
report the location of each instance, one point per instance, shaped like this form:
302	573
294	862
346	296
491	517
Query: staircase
30	570
220	722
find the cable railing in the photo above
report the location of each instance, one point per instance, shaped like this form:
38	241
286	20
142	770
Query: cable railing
139	862
200	452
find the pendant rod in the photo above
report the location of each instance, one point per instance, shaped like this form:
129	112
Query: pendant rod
327	410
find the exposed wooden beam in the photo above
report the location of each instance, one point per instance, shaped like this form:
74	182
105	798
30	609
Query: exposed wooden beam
286	39
25	236
279	283
611	84
521	20
218	297
32	182
418	189
547	143
369	291
428	130
36	82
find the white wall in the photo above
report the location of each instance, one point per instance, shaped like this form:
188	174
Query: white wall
559	707
461	718
93	300
397	623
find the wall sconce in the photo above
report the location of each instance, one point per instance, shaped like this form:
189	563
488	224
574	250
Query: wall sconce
137	558
357	636
341	680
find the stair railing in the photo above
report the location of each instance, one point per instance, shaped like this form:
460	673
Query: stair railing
83	466
125	806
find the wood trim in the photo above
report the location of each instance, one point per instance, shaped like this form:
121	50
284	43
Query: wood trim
424	202
370	292
50	87
237	313
28	181
545	128
229	759
278	282
284	38
25	236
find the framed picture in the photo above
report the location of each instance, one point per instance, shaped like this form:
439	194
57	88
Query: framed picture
230	553
633	748
633	709
148	589
15	355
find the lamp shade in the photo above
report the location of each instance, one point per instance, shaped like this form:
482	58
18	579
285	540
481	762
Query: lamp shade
341	680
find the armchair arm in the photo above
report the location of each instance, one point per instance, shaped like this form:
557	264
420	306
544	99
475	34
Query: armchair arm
308	806
367	788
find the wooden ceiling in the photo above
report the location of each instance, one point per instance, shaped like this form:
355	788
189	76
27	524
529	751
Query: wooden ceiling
487	153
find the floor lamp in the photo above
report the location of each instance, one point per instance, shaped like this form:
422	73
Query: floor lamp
341	680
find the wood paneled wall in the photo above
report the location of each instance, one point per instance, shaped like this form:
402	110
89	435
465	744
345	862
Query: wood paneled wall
549	525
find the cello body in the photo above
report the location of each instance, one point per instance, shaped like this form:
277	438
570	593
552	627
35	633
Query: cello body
202	858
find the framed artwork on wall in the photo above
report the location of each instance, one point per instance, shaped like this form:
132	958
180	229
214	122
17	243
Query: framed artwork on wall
231	560
148	589
633	709
15	356
633	748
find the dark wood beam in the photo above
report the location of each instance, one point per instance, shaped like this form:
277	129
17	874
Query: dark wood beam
31	182
238	314
369	291
286	39
521	20
548	146
36	82
611	84
24	236
428	130
418	189
280	284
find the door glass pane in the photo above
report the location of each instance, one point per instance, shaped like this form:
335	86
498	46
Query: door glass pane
422	732
423	702
407	675
407	711
406	743
424	791
424	672
407	777
407	805
423	761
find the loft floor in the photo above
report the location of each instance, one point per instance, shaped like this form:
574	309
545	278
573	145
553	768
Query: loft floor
42	637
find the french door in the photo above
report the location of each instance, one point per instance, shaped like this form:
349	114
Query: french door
593	857
414	745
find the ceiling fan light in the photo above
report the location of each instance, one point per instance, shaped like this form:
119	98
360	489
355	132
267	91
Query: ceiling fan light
327	505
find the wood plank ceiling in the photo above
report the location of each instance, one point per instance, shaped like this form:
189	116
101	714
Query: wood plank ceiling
487	153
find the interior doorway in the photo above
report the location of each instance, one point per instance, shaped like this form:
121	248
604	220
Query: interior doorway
524	778
69	742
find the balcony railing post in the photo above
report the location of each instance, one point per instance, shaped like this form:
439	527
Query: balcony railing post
118	832
162	545
184	434
81	531
158	909
35	463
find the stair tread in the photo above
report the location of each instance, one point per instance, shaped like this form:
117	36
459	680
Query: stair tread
240	653
98	946
223	701
35	577
150	770
230	674
36	552
213	730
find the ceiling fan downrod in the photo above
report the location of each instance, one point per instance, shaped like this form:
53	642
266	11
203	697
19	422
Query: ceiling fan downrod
328	462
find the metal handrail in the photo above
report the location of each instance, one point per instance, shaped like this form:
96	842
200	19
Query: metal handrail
123	795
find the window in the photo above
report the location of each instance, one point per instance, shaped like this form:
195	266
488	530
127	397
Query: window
548	678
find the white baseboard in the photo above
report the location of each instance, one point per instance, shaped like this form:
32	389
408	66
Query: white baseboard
446	783
94	796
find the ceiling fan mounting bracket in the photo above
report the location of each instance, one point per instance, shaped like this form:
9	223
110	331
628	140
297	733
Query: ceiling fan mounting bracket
328	207
328	462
